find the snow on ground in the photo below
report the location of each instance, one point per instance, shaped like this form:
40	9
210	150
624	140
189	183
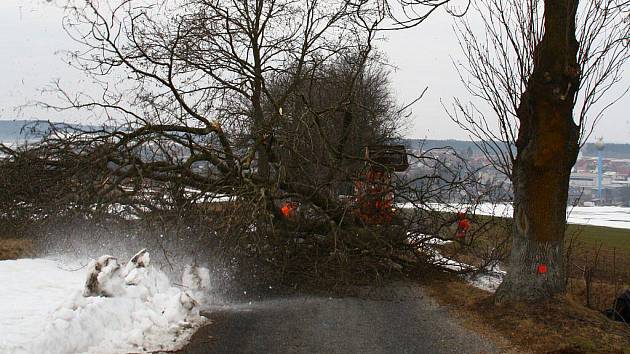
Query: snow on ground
610	216
45	307
30	290
487	279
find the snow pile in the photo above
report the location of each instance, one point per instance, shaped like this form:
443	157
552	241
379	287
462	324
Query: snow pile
119	310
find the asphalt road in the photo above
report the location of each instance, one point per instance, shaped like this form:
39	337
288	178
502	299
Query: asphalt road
401	319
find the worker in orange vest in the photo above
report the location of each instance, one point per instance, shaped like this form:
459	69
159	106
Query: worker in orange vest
288	209
463	224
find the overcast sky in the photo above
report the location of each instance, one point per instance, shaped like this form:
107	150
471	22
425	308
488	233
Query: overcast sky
31	39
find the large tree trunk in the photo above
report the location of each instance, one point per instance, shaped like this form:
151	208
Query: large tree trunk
547	147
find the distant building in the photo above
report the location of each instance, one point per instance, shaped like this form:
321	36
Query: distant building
615	188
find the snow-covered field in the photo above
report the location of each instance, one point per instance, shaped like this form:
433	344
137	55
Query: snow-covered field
46	306
610	216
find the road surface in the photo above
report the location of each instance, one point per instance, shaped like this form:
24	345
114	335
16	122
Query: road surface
402	319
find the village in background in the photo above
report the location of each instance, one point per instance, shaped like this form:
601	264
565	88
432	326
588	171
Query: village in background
600	177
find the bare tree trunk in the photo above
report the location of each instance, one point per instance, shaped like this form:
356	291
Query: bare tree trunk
547	147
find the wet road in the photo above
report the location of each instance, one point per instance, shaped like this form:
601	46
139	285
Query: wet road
390	320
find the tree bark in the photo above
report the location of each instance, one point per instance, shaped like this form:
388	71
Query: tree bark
547	147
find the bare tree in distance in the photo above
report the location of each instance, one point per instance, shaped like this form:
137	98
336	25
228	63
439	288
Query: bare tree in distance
499	60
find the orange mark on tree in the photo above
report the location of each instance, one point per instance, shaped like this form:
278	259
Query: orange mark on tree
542	269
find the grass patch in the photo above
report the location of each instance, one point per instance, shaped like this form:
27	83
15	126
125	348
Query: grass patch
593	236
589	235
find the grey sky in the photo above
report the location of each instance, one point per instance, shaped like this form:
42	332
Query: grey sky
31	38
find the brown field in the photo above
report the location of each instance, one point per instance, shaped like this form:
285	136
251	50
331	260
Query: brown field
15	248
562	325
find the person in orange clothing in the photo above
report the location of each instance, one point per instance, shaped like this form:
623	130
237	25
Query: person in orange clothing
463	224
288	209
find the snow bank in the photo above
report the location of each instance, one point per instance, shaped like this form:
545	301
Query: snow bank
115	309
